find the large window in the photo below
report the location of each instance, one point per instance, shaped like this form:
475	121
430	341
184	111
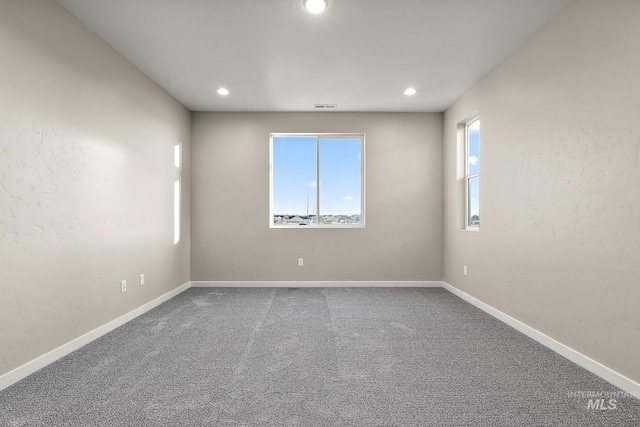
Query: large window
472	174
317	180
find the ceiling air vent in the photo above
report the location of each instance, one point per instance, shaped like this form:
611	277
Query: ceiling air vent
325	106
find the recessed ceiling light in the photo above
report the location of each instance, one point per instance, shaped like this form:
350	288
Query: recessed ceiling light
222	91
315	6
410	91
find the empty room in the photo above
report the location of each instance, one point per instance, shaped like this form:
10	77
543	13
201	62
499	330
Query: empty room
319	213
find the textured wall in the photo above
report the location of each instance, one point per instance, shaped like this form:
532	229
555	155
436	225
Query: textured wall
231	238
86	182
559	243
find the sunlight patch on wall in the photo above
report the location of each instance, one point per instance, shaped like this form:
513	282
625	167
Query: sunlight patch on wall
177	154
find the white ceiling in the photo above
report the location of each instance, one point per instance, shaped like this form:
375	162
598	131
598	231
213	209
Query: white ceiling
273	55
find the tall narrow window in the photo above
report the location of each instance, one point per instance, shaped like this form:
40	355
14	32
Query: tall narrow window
317	180
472	173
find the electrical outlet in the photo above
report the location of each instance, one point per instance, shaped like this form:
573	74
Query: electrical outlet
141	279
300	262
465	270
123	286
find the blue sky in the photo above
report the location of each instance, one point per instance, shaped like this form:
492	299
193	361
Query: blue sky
294	175
474	167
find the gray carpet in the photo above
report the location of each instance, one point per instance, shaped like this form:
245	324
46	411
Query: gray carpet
312	357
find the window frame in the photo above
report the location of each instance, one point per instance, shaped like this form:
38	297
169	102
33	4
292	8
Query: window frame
469	176
319	136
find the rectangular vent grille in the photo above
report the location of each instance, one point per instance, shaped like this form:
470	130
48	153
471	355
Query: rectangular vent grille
325	106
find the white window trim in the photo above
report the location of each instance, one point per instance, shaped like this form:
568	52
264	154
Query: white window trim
362	180
468	177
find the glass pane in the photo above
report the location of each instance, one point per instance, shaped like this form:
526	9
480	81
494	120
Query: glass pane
473	148
474	201
340	181
294	180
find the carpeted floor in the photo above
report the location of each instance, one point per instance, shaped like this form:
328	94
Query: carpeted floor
313	357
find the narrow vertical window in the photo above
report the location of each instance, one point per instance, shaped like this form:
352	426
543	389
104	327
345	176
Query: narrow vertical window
177	160
472	174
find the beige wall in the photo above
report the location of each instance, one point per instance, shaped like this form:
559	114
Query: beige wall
86	182
231	238
559	244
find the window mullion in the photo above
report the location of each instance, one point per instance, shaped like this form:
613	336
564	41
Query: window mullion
317	181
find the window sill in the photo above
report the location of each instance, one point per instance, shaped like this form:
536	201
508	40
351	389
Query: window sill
314	227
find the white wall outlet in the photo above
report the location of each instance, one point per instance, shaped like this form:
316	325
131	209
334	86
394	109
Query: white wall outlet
465	270
141	281
123	286
300	262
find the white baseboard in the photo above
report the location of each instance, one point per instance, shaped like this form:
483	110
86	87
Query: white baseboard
29	368
607	374
315	284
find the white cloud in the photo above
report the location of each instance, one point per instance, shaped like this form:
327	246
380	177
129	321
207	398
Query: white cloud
347	198
359	156
313	184
473	160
